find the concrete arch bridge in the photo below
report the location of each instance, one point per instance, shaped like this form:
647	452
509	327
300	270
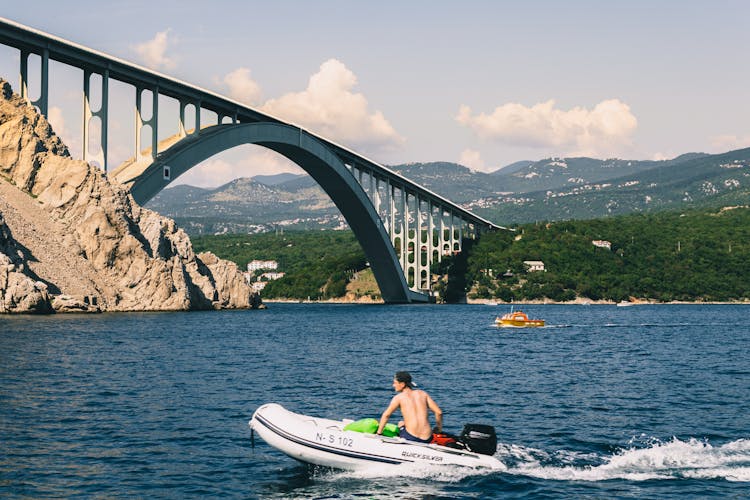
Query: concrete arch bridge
403	227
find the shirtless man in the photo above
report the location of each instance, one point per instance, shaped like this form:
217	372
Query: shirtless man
413	404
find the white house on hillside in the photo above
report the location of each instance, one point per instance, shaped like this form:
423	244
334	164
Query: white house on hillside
602	244
255	265
533	265
272	276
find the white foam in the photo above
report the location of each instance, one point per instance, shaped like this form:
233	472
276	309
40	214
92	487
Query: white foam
671	460
443	474
675	459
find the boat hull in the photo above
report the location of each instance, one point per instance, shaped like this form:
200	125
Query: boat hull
324	442
532	323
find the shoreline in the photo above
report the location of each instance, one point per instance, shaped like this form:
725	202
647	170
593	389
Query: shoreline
488	302
326	301
606	302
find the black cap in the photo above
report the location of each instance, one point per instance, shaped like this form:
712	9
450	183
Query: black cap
405	377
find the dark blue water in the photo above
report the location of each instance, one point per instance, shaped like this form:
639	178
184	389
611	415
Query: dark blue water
608	402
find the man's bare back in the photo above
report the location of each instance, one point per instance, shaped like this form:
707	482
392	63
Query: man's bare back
414	405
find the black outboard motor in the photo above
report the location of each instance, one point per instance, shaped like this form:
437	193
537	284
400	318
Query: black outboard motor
479	438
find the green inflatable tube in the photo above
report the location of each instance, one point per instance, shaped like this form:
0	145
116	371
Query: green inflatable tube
370	426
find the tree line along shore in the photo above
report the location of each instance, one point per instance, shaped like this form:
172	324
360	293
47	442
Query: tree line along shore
686	256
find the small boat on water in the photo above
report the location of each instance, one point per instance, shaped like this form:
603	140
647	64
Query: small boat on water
327	442
518	319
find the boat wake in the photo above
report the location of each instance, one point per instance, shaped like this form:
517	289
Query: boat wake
444	474
675	459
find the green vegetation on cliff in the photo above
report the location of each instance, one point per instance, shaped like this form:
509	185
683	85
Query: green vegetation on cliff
691	256
318	264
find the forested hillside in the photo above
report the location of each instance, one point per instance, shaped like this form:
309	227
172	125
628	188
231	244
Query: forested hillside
691	256
682	256
318	264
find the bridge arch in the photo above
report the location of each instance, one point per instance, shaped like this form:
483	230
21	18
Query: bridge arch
325	167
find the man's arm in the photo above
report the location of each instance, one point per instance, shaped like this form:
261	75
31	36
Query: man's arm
387	413
432	405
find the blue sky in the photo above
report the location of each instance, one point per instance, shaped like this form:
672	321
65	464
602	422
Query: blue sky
479	83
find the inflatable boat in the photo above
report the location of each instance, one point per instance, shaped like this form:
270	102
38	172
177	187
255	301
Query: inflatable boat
326	442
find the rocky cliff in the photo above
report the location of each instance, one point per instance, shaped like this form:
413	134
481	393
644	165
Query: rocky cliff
18	292
72	240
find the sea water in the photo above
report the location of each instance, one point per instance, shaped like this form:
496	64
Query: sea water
604	402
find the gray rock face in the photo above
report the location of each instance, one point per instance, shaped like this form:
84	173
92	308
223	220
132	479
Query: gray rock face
18	292
133	259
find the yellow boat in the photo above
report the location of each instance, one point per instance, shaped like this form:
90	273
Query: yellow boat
518	319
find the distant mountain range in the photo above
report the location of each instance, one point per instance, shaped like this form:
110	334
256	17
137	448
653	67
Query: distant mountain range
247	206
513	167
692	180
272	180
550	189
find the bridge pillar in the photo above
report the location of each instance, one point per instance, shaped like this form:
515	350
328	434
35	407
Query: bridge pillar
43	101
412	237
152	123
392	229
88	115
376	192
418	242
453	234
183	131
441	236
430	241
181	128
461	236
424	255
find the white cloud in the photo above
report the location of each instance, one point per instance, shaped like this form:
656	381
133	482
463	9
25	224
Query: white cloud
328	107
242	87
153	53
724	143
245	161
661	156
210	173
604	130
56	118
263	161
472	159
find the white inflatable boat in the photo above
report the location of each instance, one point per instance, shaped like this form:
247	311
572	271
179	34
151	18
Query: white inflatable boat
324	442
